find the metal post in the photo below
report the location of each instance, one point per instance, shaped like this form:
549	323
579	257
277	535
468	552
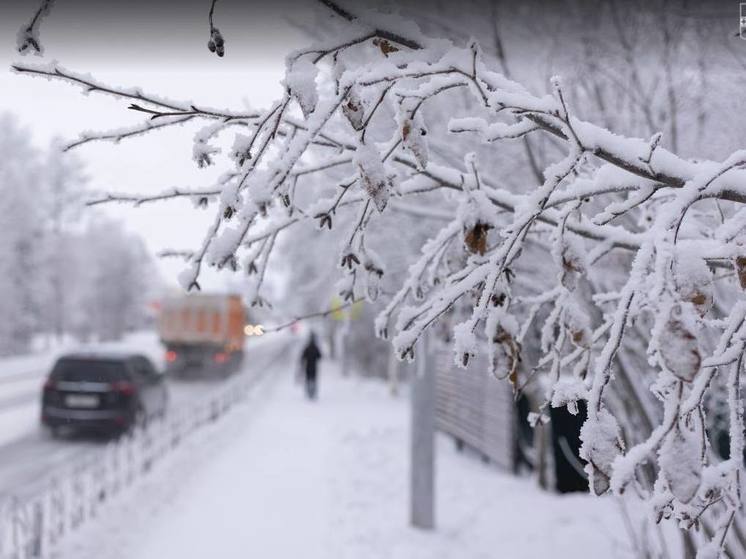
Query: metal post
422	461
393	373
344	350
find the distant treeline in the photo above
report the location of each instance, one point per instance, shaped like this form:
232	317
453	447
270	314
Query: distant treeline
65	270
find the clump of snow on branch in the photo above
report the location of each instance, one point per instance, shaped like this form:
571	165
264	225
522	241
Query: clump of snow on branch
301	83
376	183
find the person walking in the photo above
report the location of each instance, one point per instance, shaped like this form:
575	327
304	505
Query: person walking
309	359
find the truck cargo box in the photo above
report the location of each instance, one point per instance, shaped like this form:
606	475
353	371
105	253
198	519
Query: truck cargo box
202	319
202	332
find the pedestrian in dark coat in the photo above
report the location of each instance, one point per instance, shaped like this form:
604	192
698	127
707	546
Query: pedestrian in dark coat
309	359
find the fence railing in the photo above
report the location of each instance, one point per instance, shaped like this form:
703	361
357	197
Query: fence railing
32	526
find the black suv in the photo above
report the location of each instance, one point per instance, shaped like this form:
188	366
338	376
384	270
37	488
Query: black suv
109	392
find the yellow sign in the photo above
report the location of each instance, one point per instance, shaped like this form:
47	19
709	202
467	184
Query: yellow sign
342	312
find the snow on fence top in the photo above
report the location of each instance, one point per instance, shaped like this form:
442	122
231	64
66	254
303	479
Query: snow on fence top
635	246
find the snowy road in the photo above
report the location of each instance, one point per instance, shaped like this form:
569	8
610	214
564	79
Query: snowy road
29	456
21	379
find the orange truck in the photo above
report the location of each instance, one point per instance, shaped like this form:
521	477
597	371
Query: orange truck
203	334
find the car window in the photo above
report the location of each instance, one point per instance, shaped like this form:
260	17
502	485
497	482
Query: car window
88	370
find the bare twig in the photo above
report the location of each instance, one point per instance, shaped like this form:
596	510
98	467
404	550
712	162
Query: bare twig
319	314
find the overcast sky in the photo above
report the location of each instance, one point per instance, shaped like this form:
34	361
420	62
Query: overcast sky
160	47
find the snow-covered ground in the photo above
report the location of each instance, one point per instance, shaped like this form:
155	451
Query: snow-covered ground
281	477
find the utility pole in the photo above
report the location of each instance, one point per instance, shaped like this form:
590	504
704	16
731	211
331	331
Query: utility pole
422	460
344	354
393	373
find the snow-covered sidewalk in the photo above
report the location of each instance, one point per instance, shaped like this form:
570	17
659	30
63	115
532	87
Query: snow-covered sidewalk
281	477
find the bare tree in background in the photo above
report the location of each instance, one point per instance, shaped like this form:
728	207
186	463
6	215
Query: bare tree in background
118	280
61	271
65	194
21	284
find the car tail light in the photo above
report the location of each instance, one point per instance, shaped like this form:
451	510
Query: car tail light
170	356
125	388
220	357
49	384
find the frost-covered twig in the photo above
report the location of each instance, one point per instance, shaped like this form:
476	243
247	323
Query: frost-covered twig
117	136
28	36
138	199
318	314
55	71
216	43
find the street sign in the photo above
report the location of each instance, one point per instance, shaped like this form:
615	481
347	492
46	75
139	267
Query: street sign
342	312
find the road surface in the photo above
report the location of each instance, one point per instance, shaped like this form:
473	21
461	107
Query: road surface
30	457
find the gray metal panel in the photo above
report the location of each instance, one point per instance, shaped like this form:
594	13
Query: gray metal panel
474	407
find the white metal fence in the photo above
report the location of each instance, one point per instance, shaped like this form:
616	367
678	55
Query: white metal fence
31	527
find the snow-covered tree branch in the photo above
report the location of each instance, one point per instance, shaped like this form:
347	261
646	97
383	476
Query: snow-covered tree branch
360	133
